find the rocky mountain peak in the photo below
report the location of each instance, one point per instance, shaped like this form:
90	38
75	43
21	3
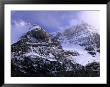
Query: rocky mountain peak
38	53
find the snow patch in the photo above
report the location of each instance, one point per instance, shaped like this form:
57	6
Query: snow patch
51	55
35	55
84	57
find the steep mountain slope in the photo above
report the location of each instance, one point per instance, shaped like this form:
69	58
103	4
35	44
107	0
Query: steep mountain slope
84	39
39	53
38	47
39	43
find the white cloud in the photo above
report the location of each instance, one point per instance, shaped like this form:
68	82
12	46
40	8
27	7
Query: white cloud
50	21
19	23
92	18
18	28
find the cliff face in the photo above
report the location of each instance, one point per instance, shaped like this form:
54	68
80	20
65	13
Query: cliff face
39	53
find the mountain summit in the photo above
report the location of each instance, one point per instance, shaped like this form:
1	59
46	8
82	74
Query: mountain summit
39	53
84	39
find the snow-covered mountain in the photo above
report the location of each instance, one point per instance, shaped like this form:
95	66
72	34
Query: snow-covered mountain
39	53
84	39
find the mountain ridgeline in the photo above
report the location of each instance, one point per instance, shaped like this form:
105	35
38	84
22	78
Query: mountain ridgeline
41	54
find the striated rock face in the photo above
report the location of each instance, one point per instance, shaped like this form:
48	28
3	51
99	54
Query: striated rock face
38	53
83	35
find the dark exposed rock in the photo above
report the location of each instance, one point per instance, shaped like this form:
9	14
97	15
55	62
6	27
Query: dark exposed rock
39	54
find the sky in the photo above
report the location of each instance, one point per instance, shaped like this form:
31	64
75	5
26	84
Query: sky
51	21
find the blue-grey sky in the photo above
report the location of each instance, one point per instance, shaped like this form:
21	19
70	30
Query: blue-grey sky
51	21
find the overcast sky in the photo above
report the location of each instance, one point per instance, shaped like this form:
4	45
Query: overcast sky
51	21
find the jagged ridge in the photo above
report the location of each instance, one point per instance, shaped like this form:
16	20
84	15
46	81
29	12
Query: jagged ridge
38	53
